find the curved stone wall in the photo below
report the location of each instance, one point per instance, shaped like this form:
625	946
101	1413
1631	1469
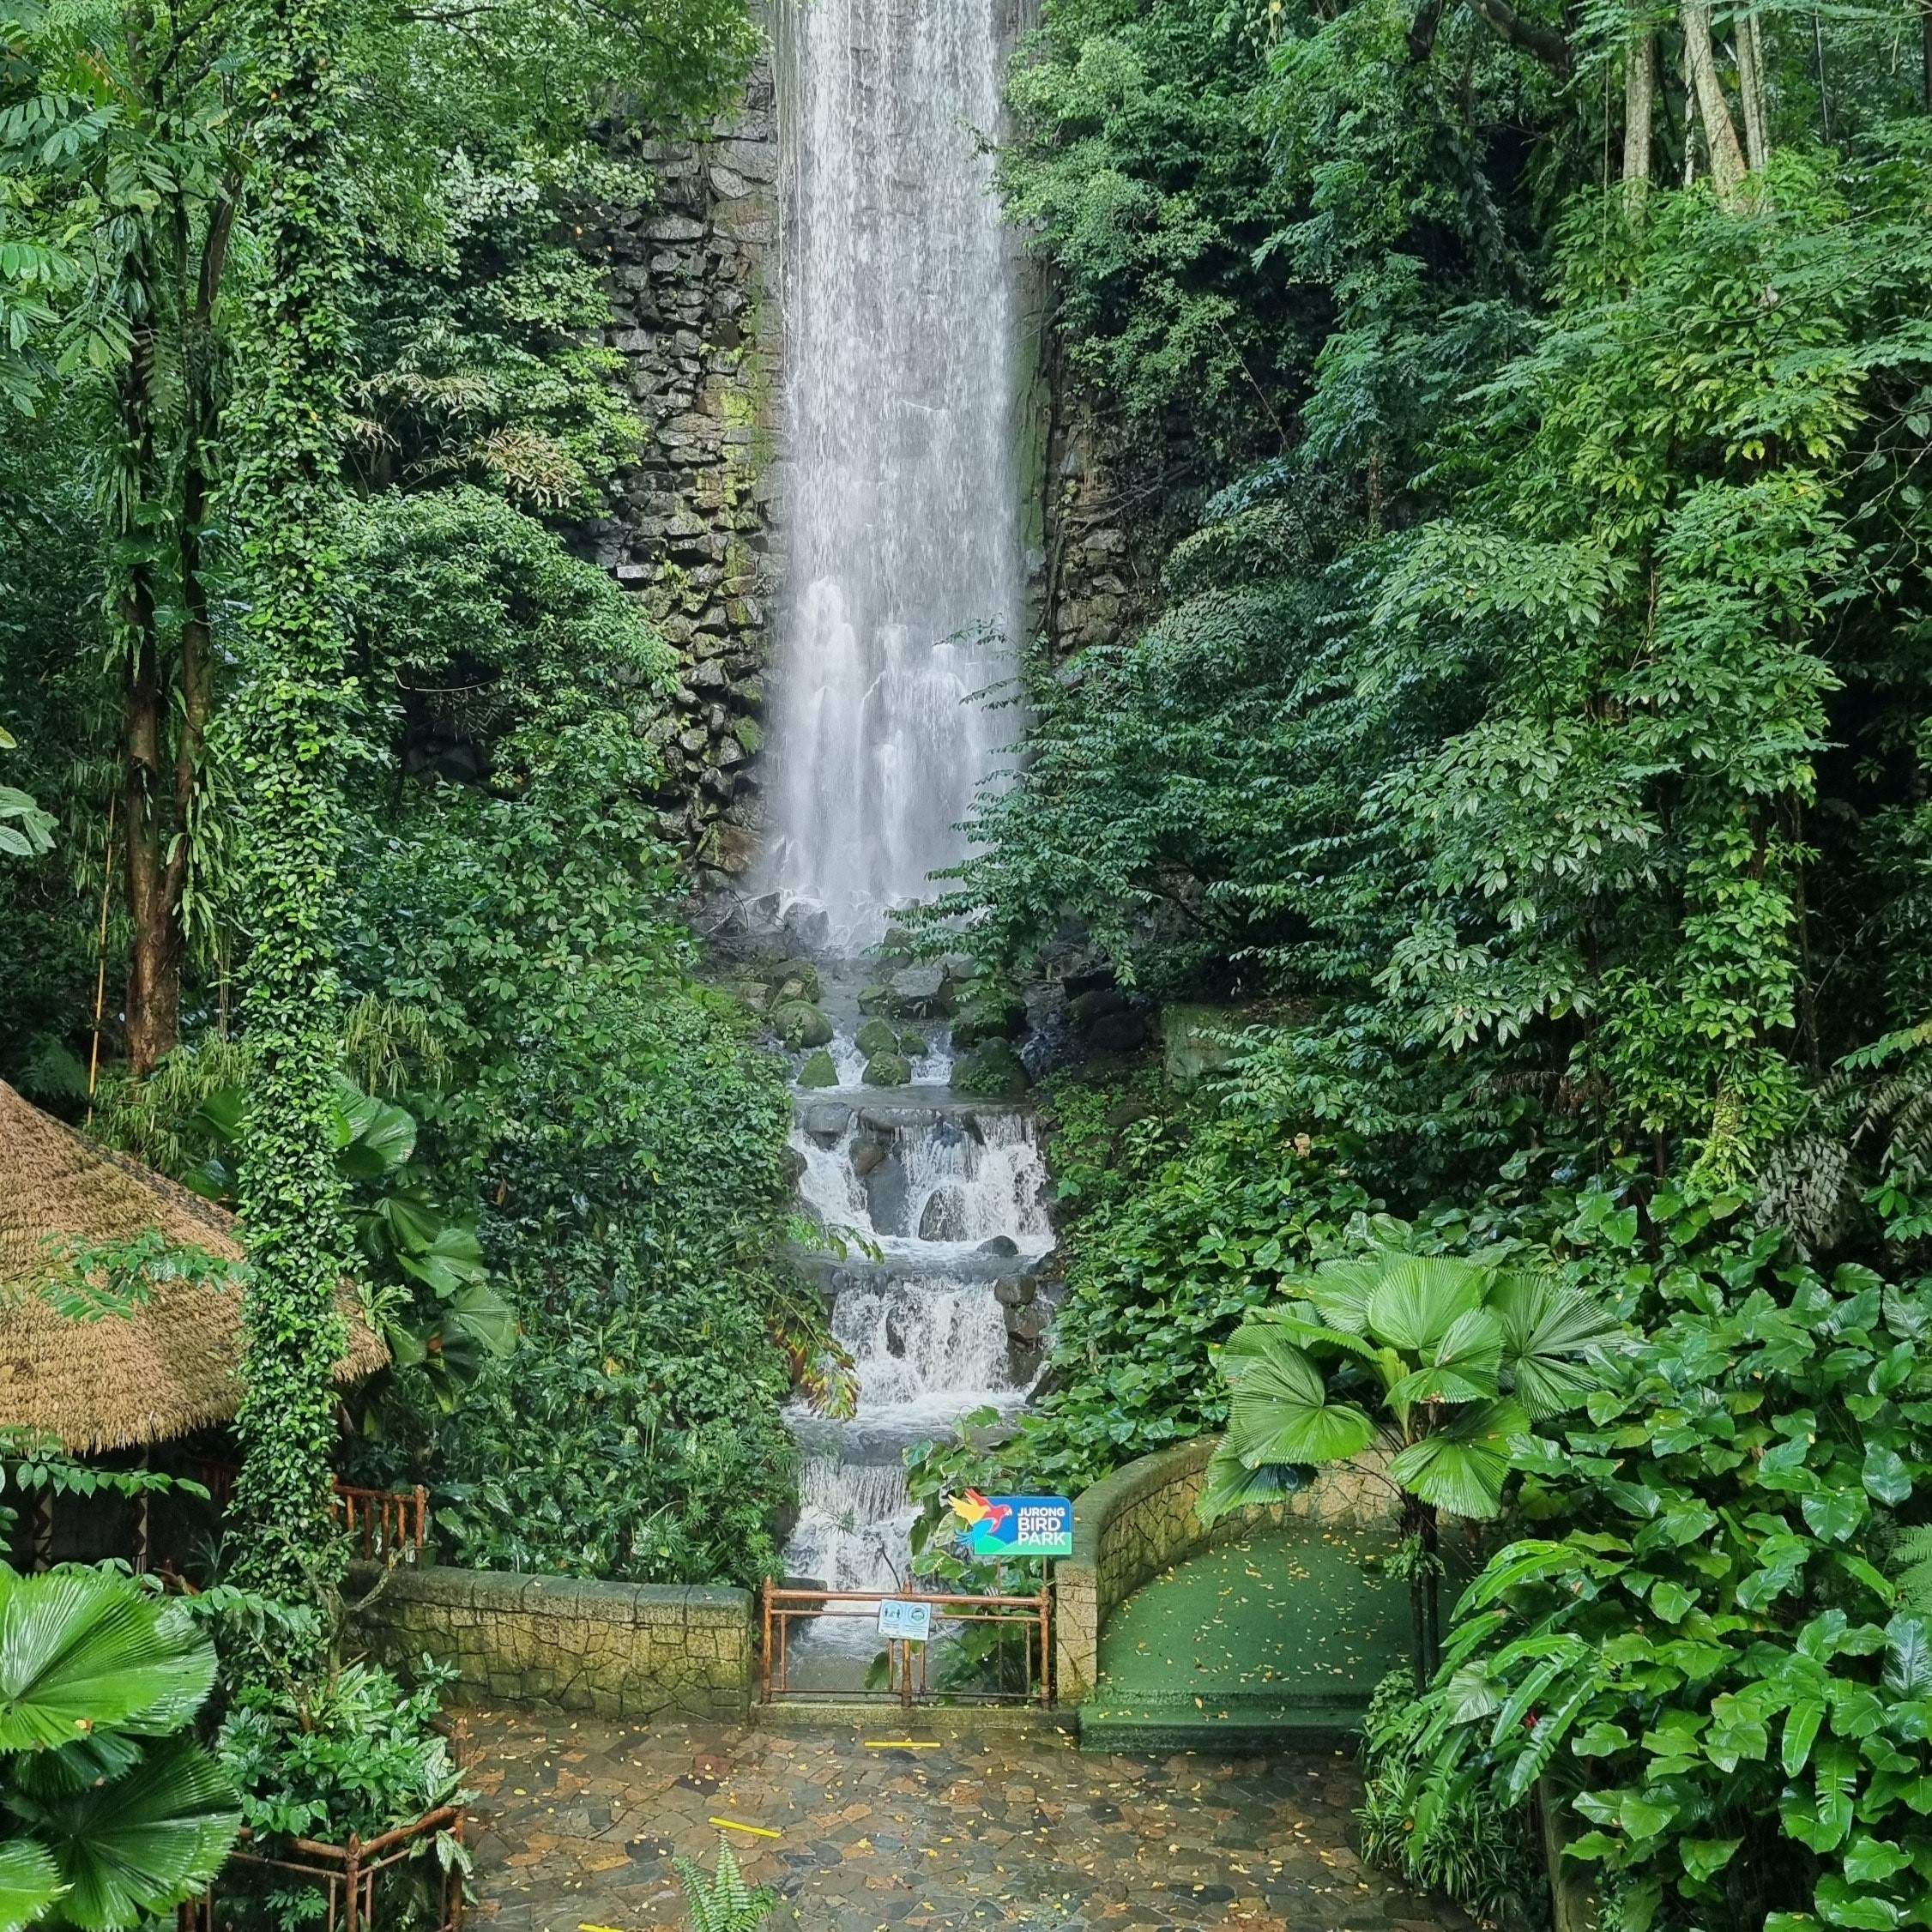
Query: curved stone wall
1140	1520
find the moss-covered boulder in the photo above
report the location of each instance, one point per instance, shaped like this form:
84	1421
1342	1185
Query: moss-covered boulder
793	980
993	1070
988	1014
819	1070
888	1070
876	1000
877	1036
800	1023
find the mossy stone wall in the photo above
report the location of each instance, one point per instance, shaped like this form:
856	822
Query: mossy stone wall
618	1650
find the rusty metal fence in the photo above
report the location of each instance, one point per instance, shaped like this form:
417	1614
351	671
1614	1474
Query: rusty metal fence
423	1891
992	1650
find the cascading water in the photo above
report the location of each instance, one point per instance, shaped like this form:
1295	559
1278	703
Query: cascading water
940	1201
903	528
904	587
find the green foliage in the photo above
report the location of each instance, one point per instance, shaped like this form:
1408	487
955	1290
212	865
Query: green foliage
1478	1852
720	1900
289	735
1708	1650
113	1814
635	1433
350	1754
1454	1357
1134	165
425	1282
92	1281
26	831
354	1753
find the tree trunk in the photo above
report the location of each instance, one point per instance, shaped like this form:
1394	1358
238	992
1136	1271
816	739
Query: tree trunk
154	982
1640	108
1728	170
1751	91
154	985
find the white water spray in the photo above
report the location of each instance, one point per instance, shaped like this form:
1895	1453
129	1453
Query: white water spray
904	575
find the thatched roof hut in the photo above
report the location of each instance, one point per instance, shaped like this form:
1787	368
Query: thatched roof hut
124	1381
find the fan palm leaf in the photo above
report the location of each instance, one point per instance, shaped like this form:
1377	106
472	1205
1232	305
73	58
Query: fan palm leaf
81	1651
1464	1366
29	1881
1418	1298
1231	1485
1462	1468
132	1847
1550	1328
1281	1413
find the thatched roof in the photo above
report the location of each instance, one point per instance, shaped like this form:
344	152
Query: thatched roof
166	1370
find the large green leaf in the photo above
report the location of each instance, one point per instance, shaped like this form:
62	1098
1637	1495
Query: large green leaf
1463	1366
1419	1297
1461	1469
81	1651
1551	1329
29	1883
448	1262
382	1139
134	1846
1281	1413
1232	1485
1340	1290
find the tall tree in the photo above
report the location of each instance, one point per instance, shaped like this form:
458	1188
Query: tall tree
289	733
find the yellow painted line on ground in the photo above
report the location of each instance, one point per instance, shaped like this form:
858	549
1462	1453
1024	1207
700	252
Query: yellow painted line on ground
901	1744
738	1824
596	1928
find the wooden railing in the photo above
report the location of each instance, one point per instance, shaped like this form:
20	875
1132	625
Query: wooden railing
383	1525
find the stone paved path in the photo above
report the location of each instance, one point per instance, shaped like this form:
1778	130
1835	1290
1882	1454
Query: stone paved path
579	1821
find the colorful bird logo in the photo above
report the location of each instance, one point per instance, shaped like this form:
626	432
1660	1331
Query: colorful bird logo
982	1518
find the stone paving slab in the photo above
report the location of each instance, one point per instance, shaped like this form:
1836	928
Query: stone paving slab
578	1823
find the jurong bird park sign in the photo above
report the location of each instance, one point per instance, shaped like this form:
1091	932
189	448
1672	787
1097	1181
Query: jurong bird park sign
997	1527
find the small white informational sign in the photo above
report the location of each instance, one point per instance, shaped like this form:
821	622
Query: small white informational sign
906	1617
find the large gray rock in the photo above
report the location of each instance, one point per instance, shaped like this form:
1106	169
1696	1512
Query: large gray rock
888	1070
826	1119
919	992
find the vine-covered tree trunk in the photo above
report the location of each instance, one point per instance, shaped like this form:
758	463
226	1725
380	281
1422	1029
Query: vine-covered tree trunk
290	734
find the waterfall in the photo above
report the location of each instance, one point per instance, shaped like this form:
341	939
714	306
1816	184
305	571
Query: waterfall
903	594
901	518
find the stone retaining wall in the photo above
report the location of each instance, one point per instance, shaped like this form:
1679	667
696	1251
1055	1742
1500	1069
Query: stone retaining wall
1140	1520
692	528
621	1650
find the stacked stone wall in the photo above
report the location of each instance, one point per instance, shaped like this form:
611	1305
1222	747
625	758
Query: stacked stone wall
617	1650
692	528
1141	1520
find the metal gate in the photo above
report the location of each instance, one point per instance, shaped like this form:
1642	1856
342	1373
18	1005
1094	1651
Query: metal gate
992	1650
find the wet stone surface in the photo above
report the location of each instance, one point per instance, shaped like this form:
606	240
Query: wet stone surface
577	1824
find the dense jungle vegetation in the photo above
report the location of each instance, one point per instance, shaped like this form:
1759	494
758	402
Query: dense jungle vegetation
1524	742
1522	416
560	1157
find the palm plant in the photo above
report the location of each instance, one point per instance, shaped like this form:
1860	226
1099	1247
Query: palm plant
722	1901
1441	1358
113	1813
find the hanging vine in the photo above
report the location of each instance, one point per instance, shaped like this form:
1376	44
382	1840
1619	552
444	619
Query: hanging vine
289	732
